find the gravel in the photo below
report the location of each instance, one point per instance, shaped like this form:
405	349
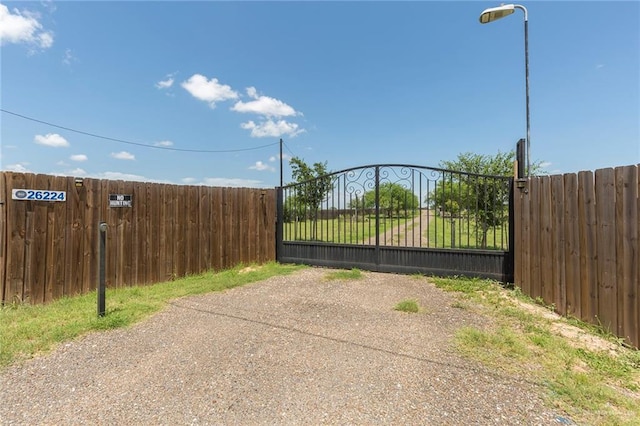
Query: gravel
295	349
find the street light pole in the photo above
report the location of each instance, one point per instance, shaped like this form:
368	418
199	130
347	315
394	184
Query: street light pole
495	13
526	70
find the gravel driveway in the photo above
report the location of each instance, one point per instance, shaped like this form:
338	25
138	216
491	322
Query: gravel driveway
295	349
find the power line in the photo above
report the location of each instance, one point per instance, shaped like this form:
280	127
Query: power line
288	149
134	143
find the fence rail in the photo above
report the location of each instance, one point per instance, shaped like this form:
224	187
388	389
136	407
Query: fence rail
577	246
48	249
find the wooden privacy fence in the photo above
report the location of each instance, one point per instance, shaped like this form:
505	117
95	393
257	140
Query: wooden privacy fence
576	246
49	249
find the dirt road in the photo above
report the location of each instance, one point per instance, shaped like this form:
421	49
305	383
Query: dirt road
296	349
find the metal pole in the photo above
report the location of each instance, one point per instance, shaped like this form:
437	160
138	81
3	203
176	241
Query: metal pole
281	180
526	70
101	280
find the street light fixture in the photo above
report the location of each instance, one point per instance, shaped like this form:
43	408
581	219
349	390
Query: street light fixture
495	13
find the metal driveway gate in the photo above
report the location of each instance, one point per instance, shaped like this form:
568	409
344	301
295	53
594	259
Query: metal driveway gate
400	218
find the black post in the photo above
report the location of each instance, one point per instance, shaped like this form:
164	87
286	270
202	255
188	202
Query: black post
102	228
521	158
279	222
281	180
509	264
377	177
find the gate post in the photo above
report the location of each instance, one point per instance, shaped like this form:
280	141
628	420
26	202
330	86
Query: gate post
509	263
377	182
279	220
520	161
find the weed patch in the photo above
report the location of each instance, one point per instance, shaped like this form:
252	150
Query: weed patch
410	306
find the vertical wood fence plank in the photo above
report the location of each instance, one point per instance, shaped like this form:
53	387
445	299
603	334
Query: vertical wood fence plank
162	233
170	245
606	248
112	245
545	249
67	282
572	245
120	239
148	231
204	243
51	250
16	232
140	203
252	218
137	231
236	223
534	235
129	278
243	224
637	263
181	207
77	236
61	229
193	256
226	233
39	249
626	246
269	213
29	258
3	235
558	243
518	195
153	191
91	221
526	241
216	213
588	255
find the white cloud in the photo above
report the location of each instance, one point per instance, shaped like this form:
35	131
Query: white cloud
545	164
23	27
238	183
264	105
68	57
188	180
165	84
51	139
163	143
18	167
260	166
78	157
210	91
272	128
123	155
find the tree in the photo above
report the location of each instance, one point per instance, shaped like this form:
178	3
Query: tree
473	192
313	185
394	198
293	209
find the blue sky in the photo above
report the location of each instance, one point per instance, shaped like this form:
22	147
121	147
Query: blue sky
350	83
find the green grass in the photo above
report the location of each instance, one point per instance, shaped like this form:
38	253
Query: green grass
26	330
341	230
441	234
352	274
592	385
410	305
